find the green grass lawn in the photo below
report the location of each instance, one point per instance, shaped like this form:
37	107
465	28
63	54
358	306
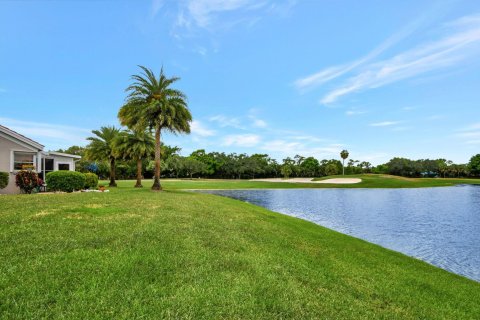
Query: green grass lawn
132	253
368	181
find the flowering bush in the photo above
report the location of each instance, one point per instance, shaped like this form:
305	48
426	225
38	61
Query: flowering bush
27	181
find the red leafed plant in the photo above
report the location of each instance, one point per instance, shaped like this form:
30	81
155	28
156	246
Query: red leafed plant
27	181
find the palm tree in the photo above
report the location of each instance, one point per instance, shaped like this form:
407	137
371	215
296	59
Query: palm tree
135	145
101	148
153	104
344	155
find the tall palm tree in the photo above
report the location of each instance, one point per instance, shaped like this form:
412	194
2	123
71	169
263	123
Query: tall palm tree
344	155
135	145
153	104
101	148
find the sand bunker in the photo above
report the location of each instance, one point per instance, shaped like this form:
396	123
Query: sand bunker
309	180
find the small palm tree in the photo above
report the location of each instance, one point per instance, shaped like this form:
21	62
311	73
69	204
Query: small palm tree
344	155
135	145
101	148
153	104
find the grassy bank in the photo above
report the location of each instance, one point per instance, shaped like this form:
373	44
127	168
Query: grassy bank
368	181
132	253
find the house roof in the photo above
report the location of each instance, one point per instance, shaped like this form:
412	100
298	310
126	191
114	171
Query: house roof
21	137
61	154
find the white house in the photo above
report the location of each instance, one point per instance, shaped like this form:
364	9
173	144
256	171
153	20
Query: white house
18	151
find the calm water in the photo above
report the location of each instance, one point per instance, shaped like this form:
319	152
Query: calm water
438	225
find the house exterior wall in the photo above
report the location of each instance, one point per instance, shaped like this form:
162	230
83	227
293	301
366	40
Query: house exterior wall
7	147
62	160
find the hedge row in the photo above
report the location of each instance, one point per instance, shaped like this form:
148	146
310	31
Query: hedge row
4	179
69	181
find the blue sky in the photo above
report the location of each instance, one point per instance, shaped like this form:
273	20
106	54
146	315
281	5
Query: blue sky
379	78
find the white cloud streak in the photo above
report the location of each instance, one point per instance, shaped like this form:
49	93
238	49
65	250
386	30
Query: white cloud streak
462	43
384	124
241	140
334	72
199	129
224	121
51	135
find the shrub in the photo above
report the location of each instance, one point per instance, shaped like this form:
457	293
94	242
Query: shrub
27	181
4	179
67	181
91	180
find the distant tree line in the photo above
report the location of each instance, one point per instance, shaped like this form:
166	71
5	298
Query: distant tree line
243	166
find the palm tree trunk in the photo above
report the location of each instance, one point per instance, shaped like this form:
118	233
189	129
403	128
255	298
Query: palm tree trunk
156	182
343	167
112	173
139	174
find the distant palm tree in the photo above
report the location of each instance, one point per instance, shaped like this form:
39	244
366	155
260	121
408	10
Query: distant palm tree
344	155
153	104
101	148
135	145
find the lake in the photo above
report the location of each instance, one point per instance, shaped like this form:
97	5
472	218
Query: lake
438	225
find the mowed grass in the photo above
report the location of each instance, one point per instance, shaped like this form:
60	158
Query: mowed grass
389	181
368	181
136	254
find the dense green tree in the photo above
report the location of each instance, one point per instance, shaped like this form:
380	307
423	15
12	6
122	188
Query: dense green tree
75	150
192	166
331	169
474	165
101	148
309	167
136	146
152	103
288	167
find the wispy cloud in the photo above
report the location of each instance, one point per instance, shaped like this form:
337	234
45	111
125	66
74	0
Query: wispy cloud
156	6
241	140
334	72
256	122
199	129
354	112
384	124
225	121
53	136
462	42
207	14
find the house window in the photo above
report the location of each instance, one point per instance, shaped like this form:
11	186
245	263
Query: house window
23	161
64	166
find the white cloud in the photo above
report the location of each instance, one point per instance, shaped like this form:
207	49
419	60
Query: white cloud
384	124
259	123
472	142
53	136
156	6
241	140
199	129
334	72
463	43
206	14
224	121
354	112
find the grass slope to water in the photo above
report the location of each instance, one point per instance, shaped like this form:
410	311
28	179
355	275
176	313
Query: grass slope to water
132	253
368	181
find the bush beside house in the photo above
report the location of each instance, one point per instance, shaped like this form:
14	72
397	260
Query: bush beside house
67	181
28	181
4	179
91	180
